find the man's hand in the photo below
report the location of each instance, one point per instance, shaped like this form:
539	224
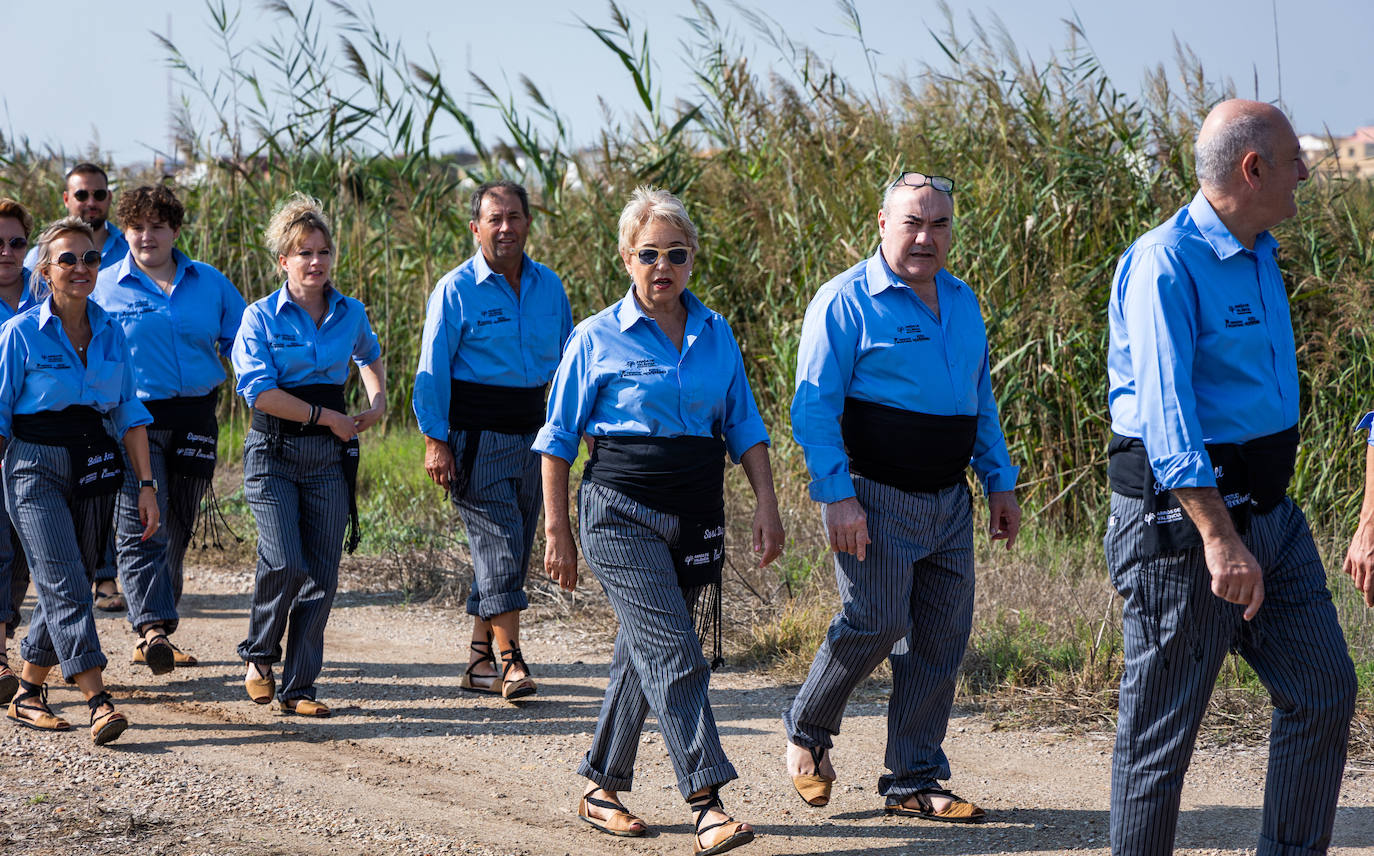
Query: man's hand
560	557
1004	516
846	526
768	534
439	462
1359	560
1236	575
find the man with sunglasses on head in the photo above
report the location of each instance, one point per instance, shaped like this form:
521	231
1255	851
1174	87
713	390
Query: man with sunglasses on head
88	198
494	332
893	402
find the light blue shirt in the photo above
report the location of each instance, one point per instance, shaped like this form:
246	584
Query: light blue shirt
111	254
176	340
1367	424
477	330
1201	347
867	335
279	346
27	299
621	376
40	370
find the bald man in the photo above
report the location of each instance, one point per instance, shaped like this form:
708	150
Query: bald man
1203	542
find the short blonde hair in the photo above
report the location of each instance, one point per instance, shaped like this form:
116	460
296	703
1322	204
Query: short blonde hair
55	230
295	218
12	209
648	204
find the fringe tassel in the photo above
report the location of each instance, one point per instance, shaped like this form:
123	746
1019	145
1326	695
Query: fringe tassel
704	605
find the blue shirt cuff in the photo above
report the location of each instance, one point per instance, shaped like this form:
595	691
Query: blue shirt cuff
1367	424
1189	469
832	488
1003	478
557	442
746	437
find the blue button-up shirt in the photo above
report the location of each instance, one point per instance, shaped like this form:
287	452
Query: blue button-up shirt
40	370
112	253
477	330
176	339
1367	424
867	335
1201	347
279	346
27	299
621	376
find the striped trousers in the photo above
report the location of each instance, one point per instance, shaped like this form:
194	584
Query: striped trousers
500	513
63	539
910	600
658	664
1176	635
145	569
300	503
14	573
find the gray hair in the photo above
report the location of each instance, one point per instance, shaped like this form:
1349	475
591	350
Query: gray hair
893	188
55	230
648	204
1218	155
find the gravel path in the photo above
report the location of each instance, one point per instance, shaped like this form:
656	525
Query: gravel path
410	764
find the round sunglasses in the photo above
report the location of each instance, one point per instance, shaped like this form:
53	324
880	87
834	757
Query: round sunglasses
649	256
68	260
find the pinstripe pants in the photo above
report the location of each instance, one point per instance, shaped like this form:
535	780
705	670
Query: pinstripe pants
657	664
144	570
14	573
1176	635
300	502
500	514
910	600
63	540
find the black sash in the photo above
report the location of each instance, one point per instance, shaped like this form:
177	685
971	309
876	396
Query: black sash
331	396
195	432
97	468
913	452
477	407
1252	477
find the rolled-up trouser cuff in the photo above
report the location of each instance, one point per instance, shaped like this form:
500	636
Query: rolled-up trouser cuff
603	781
169	622
44	658
807	737
485	608
1270	847
717	775
892	786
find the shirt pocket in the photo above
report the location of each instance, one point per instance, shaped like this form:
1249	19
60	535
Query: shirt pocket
105	382
543	341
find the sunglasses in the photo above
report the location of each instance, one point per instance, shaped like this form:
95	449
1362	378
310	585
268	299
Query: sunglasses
68	260
99	195
18	243
917	179
649	256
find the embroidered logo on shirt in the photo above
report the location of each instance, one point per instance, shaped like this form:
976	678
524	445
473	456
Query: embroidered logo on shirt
635	368
907	333
494	316
52	361
134	310
1242	316
286	340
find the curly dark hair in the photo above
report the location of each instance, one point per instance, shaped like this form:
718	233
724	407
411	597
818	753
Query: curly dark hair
148	204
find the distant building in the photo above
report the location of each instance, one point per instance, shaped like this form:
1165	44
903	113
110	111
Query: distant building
1354	155
1314	149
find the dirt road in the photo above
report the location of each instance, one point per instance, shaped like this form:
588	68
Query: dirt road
410	764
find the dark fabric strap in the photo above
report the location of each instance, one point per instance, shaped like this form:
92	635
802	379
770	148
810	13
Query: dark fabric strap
674	475
328	395
503	409
71	426
195	432
913	452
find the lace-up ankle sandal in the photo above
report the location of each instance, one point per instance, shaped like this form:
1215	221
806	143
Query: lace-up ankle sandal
30	709
105	727
473	682
703	805
512	689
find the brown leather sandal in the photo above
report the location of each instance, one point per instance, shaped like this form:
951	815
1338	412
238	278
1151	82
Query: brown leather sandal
9	681
262	688
813	788
111	601
518	688
469	680
703	805
305	707
621	823
30	709
156	653
959	810
105	727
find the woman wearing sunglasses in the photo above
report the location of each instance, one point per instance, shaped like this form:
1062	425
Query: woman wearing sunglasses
65	373
179	317
656	382
300	458
16	295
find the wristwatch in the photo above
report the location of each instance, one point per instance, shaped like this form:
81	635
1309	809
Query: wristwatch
152	483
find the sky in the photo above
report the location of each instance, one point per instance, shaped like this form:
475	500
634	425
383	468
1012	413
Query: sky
103	84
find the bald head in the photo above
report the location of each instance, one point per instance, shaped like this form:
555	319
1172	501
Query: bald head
1233	129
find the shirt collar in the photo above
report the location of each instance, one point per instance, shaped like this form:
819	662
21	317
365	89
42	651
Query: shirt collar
94	314
1217	236
630	312
481	270
126	267
283	297
879	277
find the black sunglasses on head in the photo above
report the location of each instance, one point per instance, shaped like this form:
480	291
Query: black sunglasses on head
100	195
90	258
649	256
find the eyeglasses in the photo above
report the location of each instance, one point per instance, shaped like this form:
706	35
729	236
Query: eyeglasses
68	260
17	244
918	179
649	256
99	195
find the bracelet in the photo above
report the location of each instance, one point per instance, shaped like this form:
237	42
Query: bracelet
315	411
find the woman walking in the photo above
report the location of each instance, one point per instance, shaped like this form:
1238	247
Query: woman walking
657	383
300	458
64	370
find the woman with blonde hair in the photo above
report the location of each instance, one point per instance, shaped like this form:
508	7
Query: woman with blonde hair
300	458
656	381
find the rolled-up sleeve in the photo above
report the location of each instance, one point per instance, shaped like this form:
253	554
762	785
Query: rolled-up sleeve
743	428
232	306
251	357
825	362
438	343
1159	307
366	348
570	401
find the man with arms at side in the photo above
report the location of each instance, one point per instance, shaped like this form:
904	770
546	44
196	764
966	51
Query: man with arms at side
1203	542
494	333
896	347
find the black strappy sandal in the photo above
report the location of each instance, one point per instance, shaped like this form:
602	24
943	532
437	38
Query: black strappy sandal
30	709
521	687
9	681
467	682
158	654
702	805
105	727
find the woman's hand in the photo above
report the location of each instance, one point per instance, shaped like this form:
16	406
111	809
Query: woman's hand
340	423
367	419
148	513
560	556
768	534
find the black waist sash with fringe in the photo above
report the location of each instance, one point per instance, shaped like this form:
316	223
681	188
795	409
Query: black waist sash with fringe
1252	477
330	396
191	459
97	467
477	407
913	452
683	476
